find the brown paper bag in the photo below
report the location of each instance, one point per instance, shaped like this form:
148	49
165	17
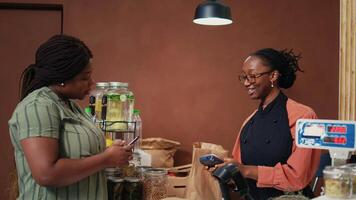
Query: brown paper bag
201	184
161	150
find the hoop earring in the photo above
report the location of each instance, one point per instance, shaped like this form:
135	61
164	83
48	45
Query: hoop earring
61	84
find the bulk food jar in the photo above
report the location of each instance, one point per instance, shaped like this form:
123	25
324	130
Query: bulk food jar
155	184
133	189
337	182
115	188
352	171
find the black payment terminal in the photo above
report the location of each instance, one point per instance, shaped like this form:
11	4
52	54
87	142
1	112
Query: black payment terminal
210	160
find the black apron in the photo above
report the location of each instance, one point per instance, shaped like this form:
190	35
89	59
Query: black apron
265	141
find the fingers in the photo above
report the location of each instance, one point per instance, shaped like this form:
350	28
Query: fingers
219	165
207	168
211	169
229	160
120	151
119	154
129	148
226	161
119	142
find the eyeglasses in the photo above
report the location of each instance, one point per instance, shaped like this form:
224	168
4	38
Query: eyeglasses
252	77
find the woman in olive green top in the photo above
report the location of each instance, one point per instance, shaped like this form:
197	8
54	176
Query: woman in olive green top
59	153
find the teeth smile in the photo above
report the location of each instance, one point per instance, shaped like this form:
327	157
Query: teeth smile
251	90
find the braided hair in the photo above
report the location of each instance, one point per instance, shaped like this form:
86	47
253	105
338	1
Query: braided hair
284	61
59	59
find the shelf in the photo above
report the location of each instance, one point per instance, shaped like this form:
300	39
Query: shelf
117	126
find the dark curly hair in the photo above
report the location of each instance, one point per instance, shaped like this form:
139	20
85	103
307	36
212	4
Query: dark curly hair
284	61
58	59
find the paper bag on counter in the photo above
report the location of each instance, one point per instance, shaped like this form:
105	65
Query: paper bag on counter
201	184
161	150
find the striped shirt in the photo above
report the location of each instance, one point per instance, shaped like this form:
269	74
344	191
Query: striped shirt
43	114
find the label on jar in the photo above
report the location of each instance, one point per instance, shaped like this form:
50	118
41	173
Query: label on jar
123	97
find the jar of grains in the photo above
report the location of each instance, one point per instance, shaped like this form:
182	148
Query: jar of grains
155	184
337	182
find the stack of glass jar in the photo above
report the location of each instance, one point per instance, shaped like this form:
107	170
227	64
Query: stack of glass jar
120	101
340	181
129	188
120	104
111	105
143	183
114	113
114	105
95	99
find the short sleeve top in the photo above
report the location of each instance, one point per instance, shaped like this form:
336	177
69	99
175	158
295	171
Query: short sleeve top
43	114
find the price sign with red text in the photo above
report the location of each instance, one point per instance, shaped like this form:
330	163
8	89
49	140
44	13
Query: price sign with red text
326	134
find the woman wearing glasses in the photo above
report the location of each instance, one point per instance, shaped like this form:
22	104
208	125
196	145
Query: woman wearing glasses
265	151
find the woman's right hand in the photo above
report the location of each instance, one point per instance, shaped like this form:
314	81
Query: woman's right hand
226	161
118	154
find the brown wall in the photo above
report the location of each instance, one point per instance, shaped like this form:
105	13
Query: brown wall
20	33
184	75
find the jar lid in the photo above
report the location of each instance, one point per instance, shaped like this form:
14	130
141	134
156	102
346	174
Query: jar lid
102	84
143	167
124	85
350	167
115	179
155	172
132	179
335	172
111	169
115	84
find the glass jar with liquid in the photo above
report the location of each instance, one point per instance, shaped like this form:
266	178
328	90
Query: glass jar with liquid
117	107
96	97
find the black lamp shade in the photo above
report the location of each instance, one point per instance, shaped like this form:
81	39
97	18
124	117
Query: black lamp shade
212	12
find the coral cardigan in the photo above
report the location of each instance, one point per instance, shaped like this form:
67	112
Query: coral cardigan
301	164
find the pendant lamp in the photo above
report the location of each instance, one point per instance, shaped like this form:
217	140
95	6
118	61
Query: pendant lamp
212	12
